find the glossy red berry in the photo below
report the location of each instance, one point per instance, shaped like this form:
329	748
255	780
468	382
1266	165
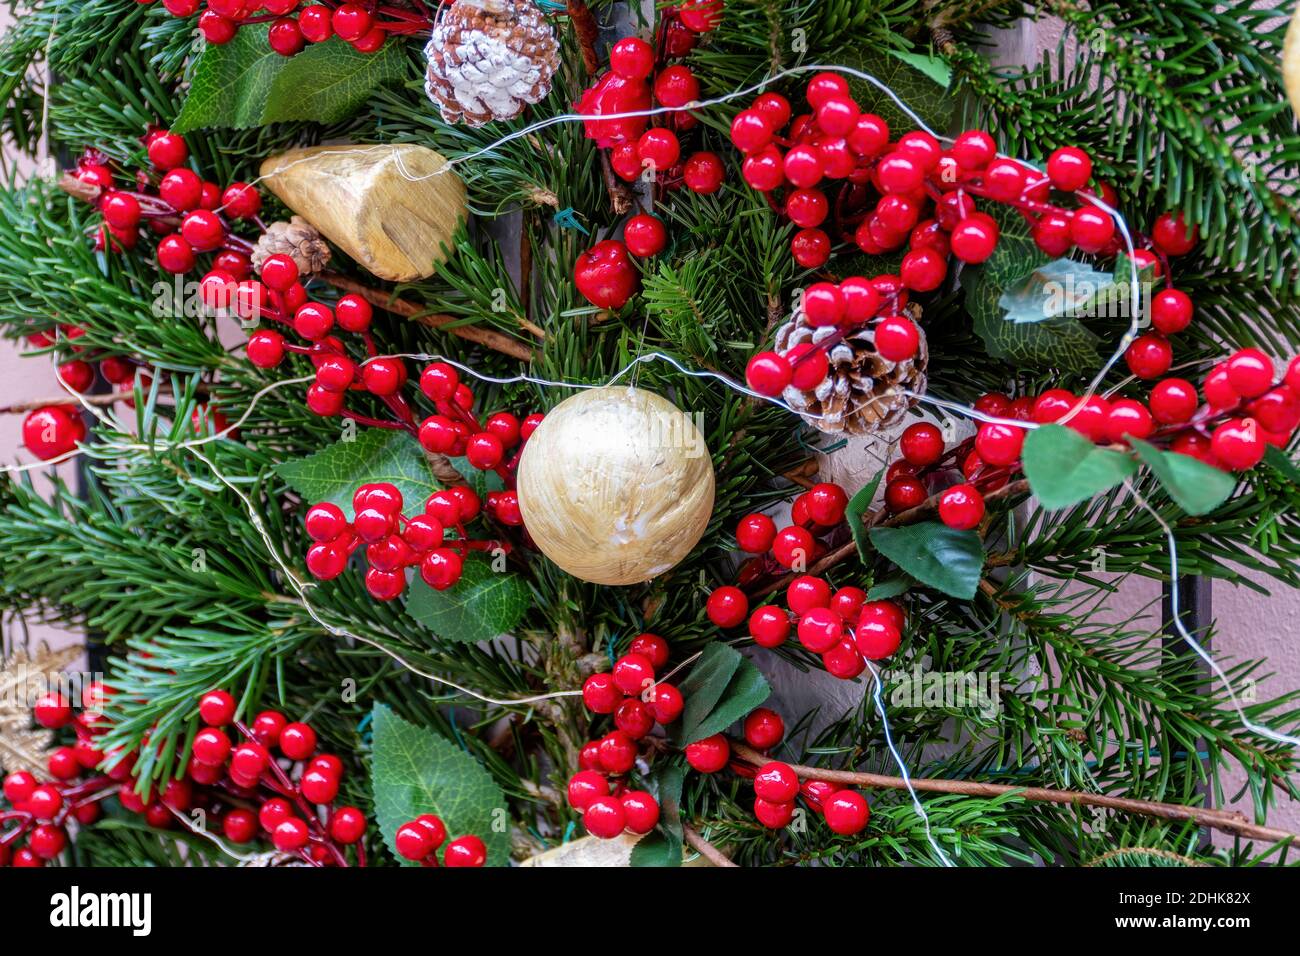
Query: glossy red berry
763	728
1173	401
52	710
297	741
999	444
1128	418
1238	443
665	702
751	131
811	248
47	841
217	708
904	493
807	592
1091	229
45	802
633	673
826	503
1069	168
768	373
704	173
709	755
773	815
605	275
584	787
347	825
465	851
1171	311
600	695
727	607
876	639
617	752
604	817
249	760
203	230
974	238
846	812
211	747
922	444
897	338
175	255
820	629
413	842
632	58
652	647
1149	356
634	718
1172	235
19	786
645	236
167	150
961	507
675	86
776	783
769	626
1250	373
351	21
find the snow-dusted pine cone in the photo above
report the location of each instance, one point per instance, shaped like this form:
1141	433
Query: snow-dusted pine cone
489	59
863	392
297	238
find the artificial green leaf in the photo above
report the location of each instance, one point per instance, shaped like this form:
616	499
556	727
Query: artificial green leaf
375	454
1062	289
720	689
245	83
664	846
481	605
656	849
415	771
914	87
1053	341
857	510
1280	462
938	556
891	587
932	66
1065	468
1196	487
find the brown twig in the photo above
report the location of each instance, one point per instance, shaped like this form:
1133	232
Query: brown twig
588	31
922	511
68	399
1229	821
435	320
705	849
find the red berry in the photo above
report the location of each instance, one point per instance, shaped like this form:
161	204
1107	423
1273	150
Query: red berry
47	841
211	747
807	208
823	304
1171	311
604	817
1172	235
1238	443
203	230
239	825
900	172
974	149
709	755
1250	373
52	711
52	431
776	783
1091	229
1128	417
869	136
904	493
433	827
974	238
384	376
318	787
632	58
279	272
1149	356
772	815
465	851
605	276
922	444
764	728
325	522
811	248
1052	233
807	592
265	348
315	24
617	752
645	236
413	841
297	741
764	170
347	825
45	802
633	673
768	373
769	626
19	786
1069	168
1174	401
249	760
240	200
652	647
704	173
999	444
876	638
961	507
846	812
62	763
727	607
820	629
600	695
826	503
634	718
897	338
923	270
584	787
666	703
167	150
751	131
484	451
216	708
175	255
351	21
640	810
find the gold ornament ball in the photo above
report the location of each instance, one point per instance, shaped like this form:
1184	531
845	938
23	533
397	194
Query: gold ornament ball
1291	62
616	485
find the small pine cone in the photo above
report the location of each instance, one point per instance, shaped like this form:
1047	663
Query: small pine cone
489	59
863	392
297	238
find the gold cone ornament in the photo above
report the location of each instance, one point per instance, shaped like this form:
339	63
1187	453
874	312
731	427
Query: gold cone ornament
393	208
616	485
863	392
489	60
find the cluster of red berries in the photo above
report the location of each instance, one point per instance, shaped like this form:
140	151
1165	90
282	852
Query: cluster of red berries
814	515
181	207
639	77
420	839
224	780
358	25
1150	355
637	702
776	785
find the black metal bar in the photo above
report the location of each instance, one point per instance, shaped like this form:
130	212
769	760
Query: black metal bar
1195	610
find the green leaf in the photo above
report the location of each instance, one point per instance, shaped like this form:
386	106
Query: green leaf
415	771
1196	487
245	83
1063	289
932	66
481	605
721	688
856	511
914	87
376	454
1278	460
1013	274
656	849
892	587
1065	468
936	555
664	846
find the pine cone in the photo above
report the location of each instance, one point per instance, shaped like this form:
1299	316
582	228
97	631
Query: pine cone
296	238
863	392
489	59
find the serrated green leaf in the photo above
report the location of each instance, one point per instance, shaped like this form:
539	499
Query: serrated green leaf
656	849
376	454
856	511
1061	289
415	771
932	66
1065	468
892	587
481	605
938	556
1196	487
721	688
245	83
664	846
920	92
